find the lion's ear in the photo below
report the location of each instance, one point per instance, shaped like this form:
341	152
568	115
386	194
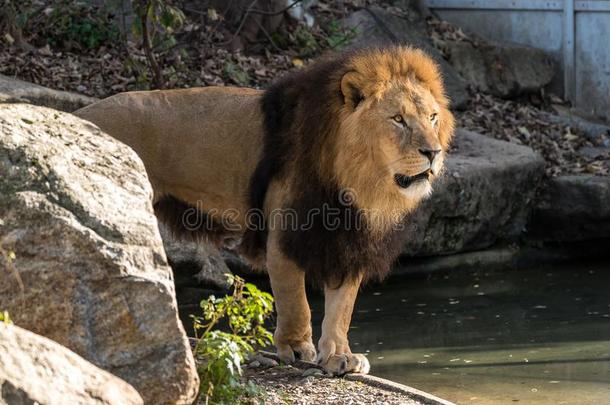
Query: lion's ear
352	95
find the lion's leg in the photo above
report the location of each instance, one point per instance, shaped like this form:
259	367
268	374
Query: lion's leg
293	332
334	352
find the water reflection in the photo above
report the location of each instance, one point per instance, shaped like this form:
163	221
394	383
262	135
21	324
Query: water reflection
530	336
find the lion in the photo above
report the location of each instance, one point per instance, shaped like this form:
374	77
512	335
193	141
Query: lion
309	179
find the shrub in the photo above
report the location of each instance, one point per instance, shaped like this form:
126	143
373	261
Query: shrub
221	353
62	23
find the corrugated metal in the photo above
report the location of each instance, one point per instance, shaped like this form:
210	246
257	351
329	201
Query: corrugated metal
576	33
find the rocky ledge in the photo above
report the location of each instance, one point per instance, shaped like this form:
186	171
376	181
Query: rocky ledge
18	90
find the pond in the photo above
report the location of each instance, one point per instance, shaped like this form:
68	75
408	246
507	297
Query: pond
531	336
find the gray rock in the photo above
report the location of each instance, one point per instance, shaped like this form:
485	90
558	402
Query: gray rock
596	132
504	70
313	372
595	152
376	26
195	263
572	208
504	258
264	361
199	271
306	382
484	197
76	211
36	370
12	90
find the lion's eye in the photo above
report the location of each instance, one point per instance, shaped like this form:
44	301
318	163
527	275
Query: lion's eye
433	117
398	118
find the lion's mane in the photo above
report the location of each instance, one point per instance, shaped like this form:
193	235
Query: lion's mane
301	117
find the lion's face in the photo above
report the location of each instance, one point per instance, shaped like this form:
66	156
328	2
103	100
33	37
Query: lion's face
405	125
392	140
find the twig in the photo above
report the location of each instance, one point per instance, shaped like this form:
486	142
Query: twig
241	24
220	20
267	35
8	22
271	13
146	41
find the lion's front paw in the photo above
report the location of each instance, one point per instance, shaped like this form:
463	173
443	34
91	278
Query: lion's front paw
339	364
337	359
289	352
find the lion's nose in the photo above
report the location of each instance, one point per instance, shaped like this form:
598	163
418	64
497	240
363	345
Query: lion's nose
429	153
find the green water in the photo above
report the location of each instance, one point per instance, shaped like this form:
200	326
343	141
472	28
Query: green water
535	336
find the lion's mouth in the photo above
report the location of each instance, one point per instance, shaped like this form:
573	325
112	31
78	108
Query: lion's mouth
405	181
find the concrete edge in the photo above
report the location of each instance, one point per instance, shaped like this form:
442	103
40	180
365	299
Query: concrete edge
389	385
370	380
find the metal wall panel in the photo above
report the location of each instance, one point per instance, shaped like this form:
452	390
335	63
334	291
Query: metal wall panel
576	33
592	56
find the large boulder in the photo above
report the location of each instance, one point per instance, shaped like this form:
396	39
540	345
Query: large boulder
484	197
15	89
36	370
375	26
195	263
572	208
505	70
76	211
199	271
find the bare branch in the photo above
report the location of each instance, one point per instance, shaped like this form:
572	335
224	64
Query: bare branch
271	13
155	69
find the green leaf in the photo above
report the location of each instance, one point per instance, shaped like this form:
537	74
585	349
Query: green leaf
4	317
223	353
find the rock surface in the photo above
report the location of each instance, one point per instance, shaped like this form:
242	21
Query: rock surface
597	132
504	70
199	271
36	370
195	263
484	197
18	90
76	211
376	26
573	208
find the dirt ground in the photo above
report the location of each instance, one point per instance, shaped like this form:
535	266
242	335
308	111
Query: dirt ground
288	385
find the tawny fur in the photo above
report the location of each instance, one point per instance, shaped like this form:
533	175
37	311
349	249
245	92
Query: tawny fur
198	145
312	136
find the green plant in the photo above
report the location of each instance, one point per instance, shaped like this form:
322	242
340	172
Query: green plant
156	22
337	36
80	23
310	41
60	23
305	41
235	73
4	317
222	353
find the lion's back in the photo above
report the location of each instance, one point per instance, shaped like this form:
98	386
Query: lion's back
188	139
